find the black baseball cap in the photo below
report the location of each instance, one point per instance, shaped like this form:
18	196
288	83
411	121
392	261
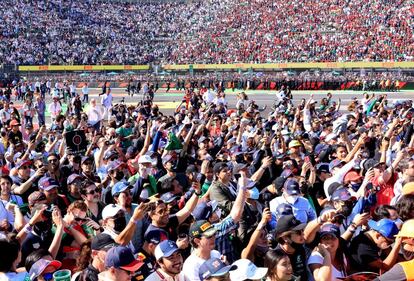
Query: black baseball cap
102	242
288	223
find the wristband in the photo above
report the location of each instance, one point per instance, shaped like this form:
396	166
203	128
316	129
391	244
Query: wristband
27	229
320	221
133	221
198	193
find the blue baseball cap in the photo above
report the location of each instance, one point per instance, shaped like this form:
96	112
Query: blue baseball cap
291	187
341	194
214	267
39	266
115	165
329	229
284	210
168	197
335	163
46	183
119	187
204	210
385	227
155	236
123	258
165	249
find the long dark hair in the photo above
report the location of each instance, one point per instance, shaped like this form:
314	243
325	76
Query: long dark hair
271	259
9	252
405	207
85	256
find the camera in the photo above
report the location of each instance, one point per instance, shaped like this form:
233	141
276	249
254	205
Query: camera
109	142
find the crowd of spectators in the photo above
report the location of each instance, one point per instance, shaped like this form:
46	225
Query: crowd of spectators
214	192
213	31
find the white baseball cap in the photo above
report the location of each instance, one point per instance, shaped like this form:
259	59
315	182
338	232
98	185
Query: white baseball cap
144	159
110	211
247	270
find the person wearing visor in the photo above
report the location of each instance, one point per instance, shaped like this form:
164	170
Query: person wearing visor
366	247
215	270
291	195
43	270
202	239
170	263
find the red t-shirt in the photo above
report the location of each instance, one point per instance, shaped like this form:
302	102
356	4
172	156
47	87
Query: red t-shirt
386	192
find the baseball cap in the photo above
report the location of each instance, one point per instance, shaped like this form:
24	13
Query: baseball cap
334	186
144	159
369	163
335	163
47	183
214	267
109	154
288	223
385	227
408	188
204	210
291	187
165	249
168	197
110	211
286	173
238	167
294	143
284	209
323	168
279	182
201	139
329	229
35	197
407	229
202	228
247	270
22	163
86	158
155	236
352	176
115	165
72	178
39	266
102	241
341	194
14	122
331	136
119	187
219	166
122	257
167	158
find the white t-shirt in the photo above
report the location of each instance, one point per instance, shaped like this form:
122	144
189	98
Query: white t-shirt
316	258
192	265
160	275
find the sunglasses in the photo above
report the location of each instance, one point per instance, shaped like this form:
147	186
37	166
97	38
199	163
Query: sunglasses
113	158
52	160
80	219
93	191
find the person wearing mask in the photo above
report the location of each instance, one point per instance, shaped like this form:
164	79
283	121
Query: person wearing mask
289	233
170	263
74	183
291	195
366	247
120	263
115	174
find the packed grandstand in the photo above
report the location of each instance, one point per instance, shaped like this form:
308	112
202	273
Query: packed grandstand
212	31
